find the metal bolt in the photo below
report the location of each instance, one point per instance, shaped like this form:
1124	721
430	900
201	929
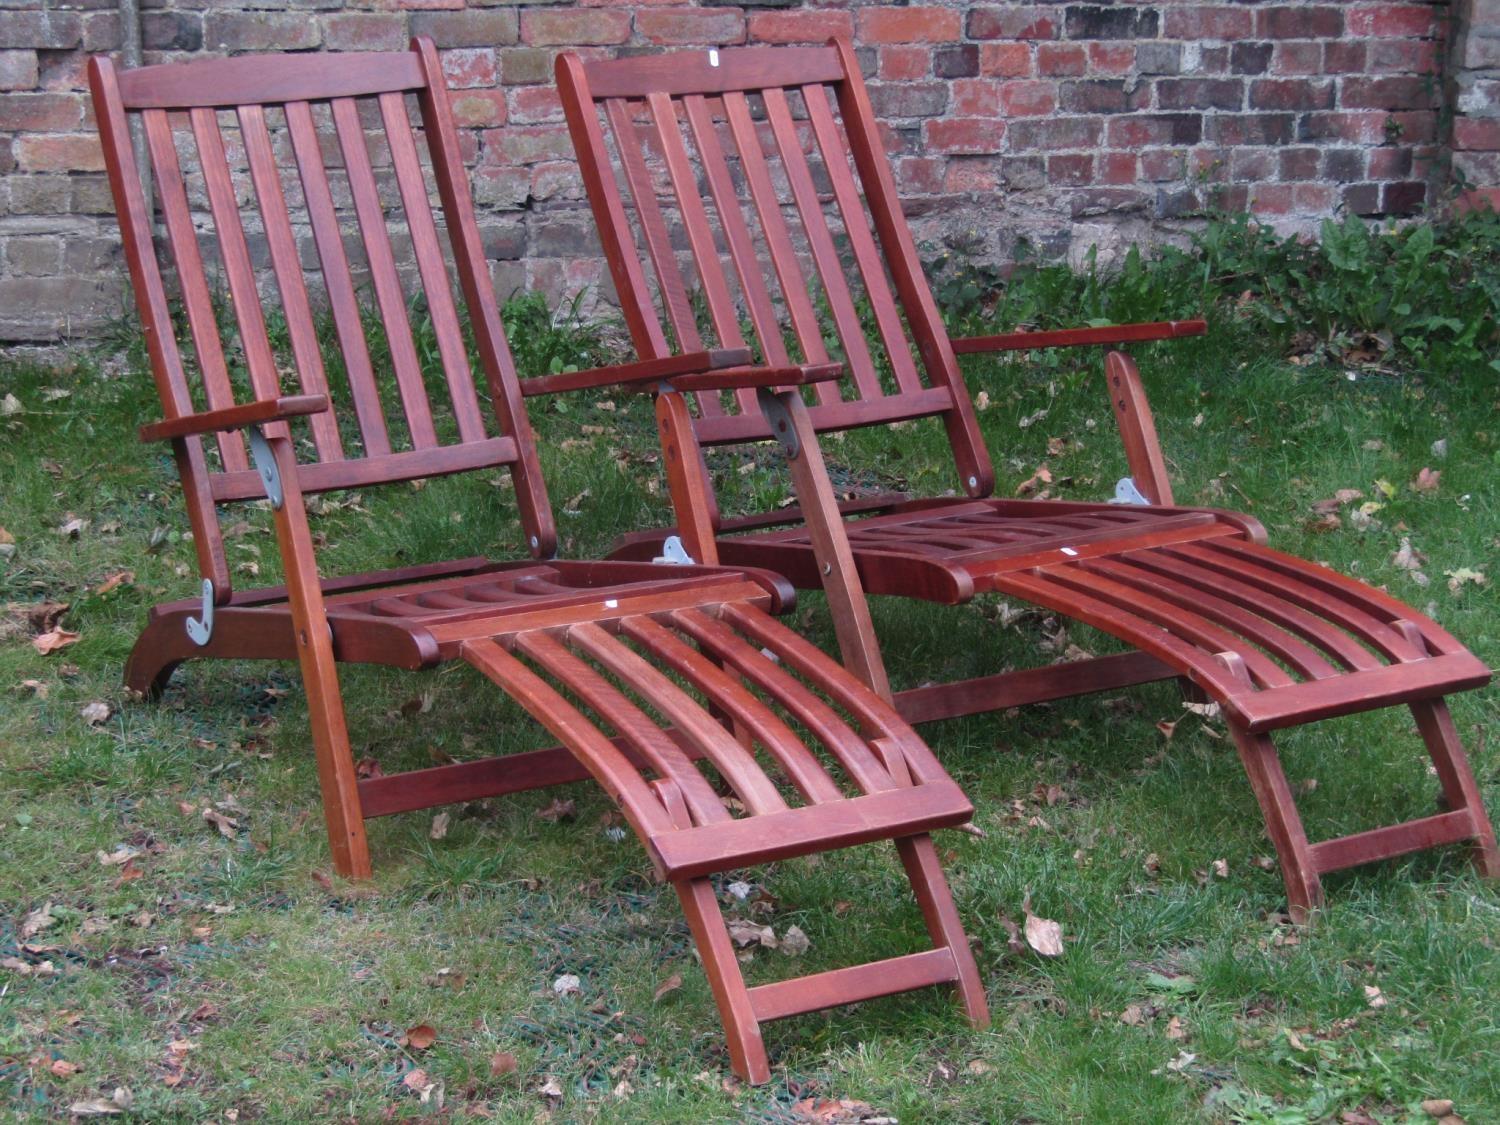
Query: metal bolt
535	542
973	482
827	568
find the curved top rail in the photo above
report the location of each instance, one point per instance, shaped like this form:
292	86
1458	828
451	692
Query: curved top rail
257	79
712	71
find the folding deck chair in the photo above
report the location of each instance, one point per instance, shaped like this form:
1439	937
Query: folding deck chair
639	670
737	166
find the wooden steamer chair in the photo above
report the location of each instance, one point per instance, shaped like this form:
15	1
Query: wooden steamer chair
596	652
736	143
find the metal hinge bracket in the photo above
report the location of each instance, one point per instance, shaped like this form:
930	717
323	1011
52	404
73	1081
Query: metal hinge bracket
265	465
200	630
780	419
674	553
1127	493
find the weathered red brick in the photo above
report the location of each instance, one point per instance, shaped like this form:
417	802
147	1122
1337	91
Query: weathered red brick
1016	21
971	175
1393	20
364	31
1200	93
45	113
1397	92
1299	163
1477	133
903	64
260	31
1117	168
18	70
567	27
909	25
964	135
1290	93
1027	98
1343	57
1061	60
480	109
528	144
1070	169
669	26
1300	21
1005	60
494	27
920	175
1193	21
1056	133
469	67
976	97
814	26
59	152
1111	58
1297	56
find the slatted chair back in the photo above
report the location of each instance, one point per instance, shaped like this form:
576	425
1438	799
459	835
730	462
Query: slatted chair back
745	156
281	152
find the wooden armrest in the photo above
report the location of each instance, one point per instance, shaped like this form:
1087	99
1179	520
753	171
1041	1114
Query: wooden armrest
741	378
1075	337
646	371
235	417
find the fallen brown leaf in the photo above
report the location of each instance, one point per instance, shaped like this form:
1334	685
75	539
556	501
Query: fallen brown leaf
227	826
502	1063
1427	480
1043	935
671	984
559	809
420	1037
48	643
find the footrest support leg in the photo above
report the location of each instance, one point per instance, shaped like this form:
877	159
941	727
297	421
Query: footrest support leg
1460	790
919	857
747	1051
1304	889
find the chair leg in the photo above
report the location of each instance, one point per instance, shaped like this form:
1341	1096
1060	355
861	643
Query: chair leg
1299	871
1460	790
919	857
747	1051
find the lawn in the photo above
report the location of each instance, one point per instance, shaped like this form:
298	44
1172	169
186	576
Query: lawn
216	971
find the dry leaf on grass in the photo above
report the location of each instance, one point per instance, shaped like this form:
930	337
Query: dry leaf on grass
567	985
439	827
559	809
96	713
49	642
227	826
1374	997
502	1063
420	1037
794	942
1427	480
671	984
1042	934
121	1100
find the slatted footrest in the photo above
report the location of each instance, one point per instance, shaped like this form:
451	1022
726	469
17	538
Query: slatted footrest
667	710
1276	640
853	984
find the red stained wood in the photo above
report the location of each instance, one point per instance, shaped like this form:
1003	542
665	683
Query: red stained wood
275	409
1276	640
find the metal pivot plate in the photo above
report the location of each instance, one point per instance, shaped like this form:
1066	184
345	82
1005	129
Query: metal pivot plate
774	407
1127	493
200	630
673	553
265	465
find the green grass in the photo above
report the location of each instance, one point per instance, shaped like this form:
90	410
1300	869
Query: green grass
295	992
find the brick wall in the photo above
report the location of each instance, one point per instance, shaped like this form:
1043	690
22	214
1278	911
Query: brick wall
1068	124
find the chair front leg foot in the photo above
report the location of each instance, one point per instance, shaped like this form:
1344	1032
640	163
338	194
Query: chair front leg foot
924	870
1460	789
747	1051
1299	871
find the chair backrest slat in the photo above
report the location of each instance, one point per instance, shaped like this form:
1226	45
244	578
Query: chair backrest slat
384	280
788	151
196	299
653	229
343	304
820	242
433	272
234	254
778	239
695	218
736	233
857	230
290	216
281	245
